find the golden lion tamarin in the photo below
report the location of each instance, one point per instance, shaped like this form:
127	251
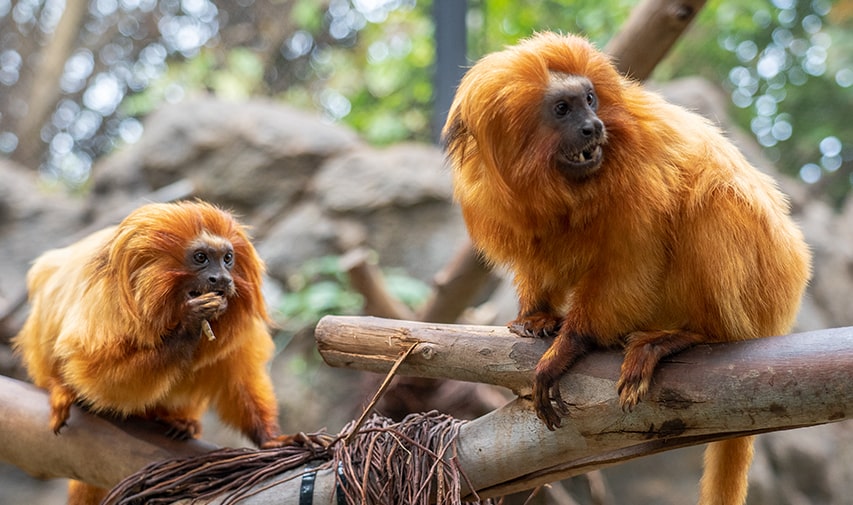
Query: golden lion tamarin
156	317
626	221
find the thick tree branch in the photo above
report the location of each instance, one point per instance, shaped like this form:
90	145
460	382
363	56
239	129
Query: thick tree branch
703	394
706	393
649	33
89	448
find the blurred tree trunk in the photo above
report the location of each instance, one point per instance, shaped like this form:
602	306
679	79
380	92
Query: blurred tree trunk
44	91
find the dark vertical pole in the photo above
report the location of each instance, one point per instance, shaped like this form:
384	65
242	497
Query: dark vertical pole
450	51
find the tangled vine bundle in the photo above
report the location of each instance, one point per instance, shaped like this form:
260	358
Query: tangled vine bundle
412	461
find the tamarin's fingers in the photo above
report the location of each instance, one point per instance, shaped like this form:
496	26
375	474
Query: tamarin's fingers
208	305
643	352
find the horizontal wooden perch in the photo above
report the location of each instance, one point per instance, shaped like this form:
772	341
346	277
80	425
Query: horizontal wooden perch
89	448
706	393
703	394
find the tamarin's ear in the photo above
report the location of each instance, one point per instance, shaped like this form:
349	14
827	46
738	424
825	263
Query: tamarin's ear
454	133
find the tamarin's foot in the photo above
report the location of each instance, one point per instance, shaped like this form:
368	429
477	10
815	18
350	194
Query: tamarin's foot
317	442
61	399
643	352
536	324
179	428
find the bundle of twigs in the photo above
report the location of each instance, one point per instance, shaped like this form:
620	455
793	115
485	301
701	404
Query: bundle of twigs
229	473
412	462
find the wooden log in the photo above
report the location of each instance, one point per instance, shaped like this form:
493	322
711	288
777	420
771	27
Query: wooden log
709	392
89	448
706	393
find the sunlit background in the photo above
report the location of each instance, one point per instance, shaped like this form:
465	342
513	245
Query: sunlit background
786	64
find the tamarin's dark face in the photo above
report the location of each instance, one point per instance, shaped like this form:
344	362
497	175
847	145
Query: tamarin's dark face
210	258
569	107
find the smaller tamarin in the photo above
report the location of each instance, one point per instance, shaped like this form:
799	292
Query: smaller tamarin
626	221
157	317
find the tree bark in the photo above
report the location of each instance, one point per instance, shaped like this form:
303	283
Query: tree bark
649	33
89	448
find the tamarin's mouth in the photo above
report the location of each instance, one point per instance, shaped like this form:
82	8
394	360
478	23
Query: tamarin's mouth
195	294
580	163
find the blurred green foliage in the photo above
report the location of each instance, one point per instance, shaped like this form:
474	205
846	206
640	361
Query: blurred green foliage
786	64
320	287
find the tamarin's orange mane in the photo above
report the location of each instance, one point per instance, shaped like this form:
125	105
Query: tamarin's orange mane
496	139
144	261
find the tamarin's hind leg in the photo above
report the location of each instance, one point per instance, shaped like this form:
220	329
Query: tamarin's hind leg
565	350
80	493
724	479
61	399
643	352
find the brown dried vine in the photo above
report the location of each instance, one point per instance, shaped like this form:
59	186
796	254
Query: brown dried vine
412	461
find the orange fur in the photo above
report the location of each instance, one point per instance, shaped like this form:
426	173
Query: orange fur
102	312
673	240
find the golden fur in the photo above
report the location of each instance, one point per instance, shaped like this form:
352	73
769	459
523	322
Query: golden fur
675	239
102	310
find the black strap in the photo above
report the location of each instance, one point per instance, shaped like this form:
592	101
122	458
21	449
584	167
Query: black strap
306	489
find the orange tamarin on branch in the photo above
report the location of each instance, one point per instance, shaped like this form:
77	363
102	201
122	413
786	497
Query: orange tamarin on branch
626	221
157	317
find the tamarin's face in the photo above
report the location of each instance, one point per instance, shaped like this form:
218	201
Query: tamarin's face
569	107
210	258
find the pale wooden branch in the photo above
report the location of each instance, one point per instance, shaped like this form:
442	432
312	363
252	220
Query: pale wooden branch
706	393
89	448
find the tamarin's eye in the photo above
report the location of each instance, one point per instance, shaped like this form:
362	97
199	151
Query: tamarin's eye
591	99
228	259
200	258
561	108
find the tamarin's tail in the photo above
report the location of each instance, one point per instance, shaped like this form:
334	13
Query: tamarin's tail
724	480
80	493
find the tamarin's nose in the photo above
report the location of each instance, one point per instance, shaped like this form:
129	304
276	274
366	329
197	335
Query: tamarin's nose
592	126
219	280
